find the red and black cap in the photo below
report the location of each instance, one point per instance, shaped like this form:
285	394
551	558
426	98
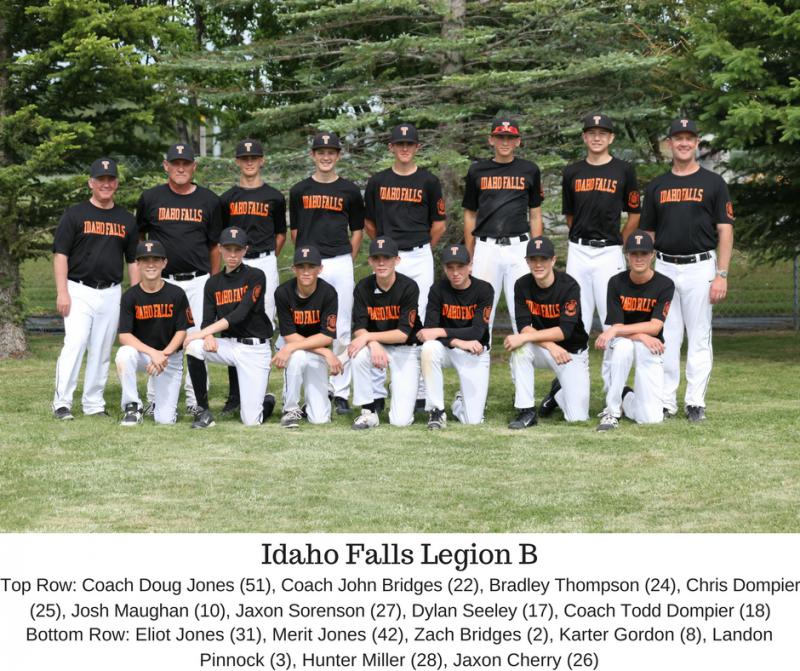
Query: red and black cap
150	248
326	140
540	246
639	241
598	121
102	167
307	254
455	254
233	235
249	147
383	246
683	126
504	125
180	151
404	132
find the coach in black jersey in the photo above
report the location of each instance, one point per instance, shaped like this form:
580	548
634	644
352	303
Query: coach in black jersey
153	319
260	210
326	212
233	307
502	209
690	215
186	219
91	241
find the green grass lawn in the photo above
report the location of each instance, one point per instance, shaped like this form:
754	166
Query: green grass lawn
740	471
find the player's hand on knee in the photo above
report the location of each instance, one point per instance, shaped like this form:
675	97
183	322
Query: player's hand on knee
281	358
513	341
653	344
424	335
334	365
63	304
159	360
152	369
604	338
379	357
559	354
210	343
356	345
719	290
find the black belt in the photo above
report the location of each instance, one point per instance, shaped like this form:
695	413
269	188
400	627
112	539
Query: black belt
595	243
504	241
257	255
684	258
411	249
183	277
252	341
96	285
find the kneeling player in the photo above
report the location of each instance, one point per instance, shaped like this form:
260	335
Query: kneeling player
233	306
153	319
456	334
550	335
385	326
307	307
638	303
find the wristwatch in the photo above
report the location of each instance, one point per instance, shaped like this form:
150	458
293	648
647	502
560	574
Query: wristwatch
723	273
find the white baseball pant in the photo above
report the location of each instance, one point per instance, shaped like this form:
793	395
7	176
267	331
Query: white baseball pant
338	271
252	366
690	309
307	372
643	405
404	366
501	266
473	376
573	397
269	264
167	385
592	268
90	327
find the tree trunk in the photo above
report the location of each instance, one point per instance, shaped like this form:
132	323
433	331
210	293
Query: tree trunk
12	333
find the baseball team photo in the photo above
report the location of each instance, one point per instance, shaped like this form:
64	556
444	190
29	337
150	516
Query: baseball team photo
449	267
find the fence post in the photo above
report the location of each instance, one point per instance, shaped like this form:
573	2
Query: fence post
796	307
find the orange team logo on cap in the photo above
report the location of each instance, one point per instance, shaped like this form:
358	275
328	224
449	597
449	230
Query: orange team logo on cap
325	138
440	206
412	317
666	308
256	292
596	119
633	199
105	165
148	246
487	313
248	146
331	323
729	210
571	308
179	148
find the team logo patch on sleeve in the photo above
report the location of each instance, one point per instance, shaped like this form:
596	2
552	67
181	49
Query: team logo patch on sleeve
666	308
729	210
440	207
633	200
487	313
256	292
331	323
189	316
571	308
412	317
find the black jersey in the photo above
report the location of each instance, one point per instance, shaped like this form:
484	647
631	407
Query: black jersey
95	240
154	318
237	296
307	316
558	305
631	303
596	196
323	213
186	225
378	310
462	313
684	211
403	207
502	194
260	212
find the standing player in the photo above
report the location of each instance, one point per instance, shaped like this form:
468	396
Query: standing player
154	316
689	212
595	192
638	303
233	307
385	326
502	210
186	219
456	334
90	242
550	334
327	212
405	203
307	313
260	211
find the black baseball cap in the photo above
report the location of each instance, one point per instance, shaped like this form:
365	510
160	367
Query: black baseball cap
405	132
639	241
102	167
383	246
682	126
307	254
150	248
233	235
504	125
598	121
540	246
249	147
180	151
326	140
455	254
